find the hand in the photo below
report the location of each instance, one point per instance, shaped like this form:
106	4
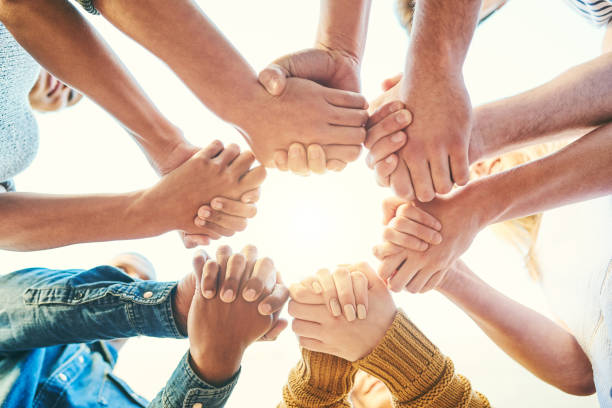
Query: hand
212	172
49	94
461	219
219	331
316	158
342	291
318	330
436	154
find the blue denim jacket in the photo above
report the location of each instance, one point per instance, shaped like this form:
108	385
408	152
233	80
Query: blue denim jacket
52	324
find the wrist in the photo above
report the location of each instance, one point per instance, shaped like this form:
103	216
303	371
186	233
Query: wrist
481	203
216	367
145	213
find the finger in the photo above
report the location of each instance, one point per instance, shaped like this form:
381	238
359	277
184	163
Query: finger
386	249
298	162
199	260
421	179
391	82
460	167
390	206
75	98
345	99
211	229
389	265
404	240
335	165
233	277
303	293
385	147
311	313
344	289
401	182
275	331
312	282
262	280
387	126
351	117
360	289
213	149
416	284
250	254
281	160
419	231
304	328
314	345
222	220
228	207
253	178
405	273
345	135
344	153
329	292
384	111
275	301
273	78
210	281
251	197
228	155
316	159
383	170
408	210
222	256
242	163
440	173
195	240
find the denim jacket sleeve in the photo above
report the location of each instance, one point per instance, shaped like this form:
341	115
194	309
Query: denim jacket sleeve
43	307
185	390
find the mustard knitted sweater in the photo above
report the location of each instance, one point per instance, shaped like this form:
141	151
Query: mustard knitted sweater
412	367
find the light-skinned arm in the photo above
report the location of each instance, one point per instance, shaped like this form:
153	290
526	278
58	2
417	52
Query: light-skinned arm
578	172
537	343
36	221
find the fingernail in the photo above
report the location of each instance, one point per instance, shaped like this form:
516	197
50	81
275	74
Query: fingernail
273	85
438	225
314	153
403	117
361	312
398	137
216	205
200	222
250	294
208	294
205	213
317	288
349	313
389	160
437	238
265	309
228	296
335	307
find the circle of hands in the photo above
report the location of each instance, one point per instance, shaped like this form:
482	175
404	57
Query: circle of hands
347	311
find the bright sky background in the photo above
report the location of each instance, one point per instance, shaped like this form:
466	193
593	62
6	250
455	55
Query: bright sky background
308	223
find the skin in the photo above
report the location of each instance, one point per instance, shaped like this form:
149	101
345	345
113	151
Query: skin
541	346
216	343
50	95
43	221
370	392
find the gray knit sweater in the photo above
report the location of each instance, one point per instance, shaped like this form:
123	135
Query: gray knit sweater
18	129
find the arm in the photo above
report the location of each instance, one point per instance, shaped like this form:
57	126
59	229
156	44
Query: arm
579	172
538	344
34	221
72	50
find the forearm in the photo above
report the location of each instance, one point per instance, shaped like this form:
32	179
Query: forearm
66	45
568	106
36	221
579	172
319	380
184	38
42	307
541	346
416	372
441	36
343	26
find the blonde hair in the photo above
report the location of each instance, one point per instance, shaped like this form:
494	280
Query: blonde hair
520	232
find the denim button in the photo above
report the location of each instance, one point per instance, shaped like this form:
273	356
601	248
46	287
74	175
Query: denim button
62	377
147	295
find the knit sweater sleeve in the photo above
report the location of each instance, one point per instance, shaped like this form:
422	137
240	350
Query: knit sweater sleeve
319	380
416	372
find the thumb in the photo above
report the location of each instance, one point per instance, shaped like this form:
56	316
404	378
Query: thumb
274	79
390	206
199	260
391	82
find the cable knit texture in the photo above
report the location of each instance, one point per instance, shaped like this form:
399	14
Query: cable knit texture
18	129
412	367
416	372
319	380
